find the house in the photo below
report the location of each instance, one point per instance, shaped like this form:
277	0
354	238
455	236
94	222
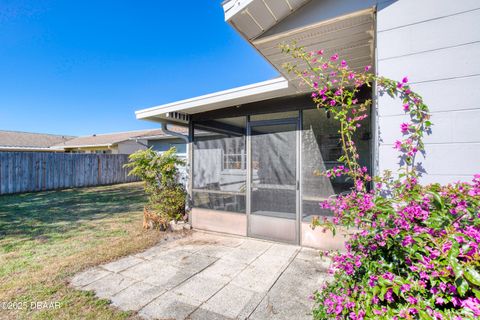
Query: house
29	141
253	174
126	142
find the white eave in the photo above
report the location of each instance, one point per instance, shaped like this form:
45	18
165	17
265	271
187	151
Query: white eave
269	89
253	17
80	146
21	148
350	34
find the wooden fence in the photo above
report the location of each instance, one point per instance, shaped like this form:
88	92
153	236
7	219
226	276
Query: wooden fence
38	171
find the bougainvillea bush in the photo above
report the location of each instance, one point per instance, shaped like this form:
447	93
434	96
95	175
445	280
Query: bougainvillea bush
416	253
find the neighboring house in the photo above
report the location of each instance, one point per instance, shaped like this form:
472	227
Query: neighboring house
253	175
124	142
29	141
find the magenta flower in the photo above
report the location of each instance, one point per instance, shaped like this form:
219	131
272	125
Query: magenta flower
343	63
405	287
412	300
406	107
389	295
446	246
333	103
334	57
397	145
404	127
320	52
472	304
368	68
405	80
408	240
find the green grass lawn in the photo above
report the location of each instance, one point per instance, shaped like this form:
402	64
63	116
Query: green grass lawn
47	237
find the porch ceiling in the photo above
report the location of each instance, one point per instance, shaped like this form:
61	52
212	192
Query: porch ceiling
350	35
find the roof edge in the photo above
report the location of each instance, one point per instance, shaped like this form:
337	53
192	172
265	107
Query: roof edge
263	87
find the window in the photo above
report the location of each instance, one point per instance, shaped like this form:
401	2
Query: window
234	161
219	165
165	145
321	148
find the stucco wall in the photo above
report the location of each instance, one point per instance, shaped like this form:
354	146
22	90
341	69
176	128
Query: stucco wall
436	43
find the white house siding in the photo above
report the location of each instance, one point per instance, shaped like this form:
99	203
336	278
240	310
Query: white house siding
436	43
129	147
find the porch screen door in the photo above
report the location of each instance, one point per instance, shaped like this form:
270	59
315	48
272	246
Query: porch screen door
273	180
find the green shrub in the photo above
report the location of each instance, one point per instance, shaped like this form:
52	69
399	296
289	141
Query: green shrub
161	177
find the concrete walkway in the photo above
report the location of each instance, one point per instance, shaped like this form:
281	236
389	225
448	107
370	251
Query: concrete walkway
211	276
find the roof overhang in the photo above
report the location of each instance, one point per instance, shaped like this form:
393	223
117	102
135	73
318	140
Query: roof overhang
18	148
85	146
253	17
274	88
351	35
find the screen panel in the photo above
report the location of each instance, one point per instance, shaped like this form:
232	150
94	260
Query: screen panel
219	165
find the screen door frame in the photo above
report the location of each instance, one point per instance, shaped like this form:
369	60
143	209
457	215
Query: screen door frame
297	122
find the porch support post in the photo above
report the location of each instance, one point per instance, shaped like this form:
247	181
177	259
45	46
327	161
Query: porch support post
248	189
189	203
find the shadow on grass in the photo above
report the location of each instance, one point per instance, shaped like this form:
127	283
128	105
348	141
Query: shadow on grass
36	215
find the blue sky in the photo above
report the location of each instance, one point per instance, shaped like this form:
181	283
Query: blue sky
84	67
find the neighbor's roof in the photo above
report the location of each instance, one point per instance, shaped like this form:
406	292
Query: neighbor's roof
109	139
30	140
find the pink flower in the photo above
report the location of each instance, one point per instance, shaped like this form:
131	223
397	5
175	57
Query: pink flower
404	127
320	52
389	296
412	300
368	68
389	276
333	103
397	145
408	240
472	304
405	287
343	63
405	80
406	107
446	246
334	57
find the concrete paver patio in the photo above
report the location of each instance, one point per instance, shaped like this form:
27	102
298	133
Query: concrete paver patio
211	276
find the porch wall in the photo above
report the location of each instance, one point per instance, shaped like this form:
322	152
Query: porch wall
437	45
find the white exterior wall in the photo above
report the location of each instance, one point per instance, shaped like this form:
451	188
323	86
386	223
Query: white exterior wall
436	43
129	147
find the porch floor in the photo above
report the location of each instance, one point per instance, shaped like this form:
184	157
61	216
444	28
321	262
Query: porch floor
211	276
